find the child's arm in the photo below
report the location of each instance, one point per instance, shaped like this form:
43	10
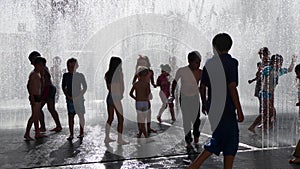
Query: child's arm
152	78
203	98
134	78
64	88
174	83
252	80
131	92
235	97
291	67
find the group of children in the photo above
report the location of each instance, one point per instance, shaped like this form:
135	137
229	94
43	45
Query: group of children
42	91
194	81
267	77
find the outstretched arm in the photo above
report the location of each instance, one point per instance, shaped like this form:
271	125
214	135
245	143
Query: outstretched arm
291	67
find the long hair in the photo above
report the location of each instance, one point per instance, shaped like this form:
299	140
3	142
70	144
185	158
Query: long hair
114	69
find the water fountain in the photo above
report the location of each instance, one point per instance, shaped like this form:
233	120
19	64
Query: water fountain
93	31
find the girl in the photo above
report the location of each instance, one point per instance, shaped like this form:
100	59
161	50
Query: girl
115	86
164	83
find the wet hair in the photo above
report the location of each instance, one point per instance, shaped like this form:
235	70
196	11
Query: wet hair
297	68
193	56
140	57
265	51
39	60
71	60
33	55
276	58
222	42
165	68
142	71
114	69
258	64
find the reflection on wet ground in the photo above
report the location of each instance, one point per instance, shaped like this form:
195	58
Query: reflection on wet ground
167	151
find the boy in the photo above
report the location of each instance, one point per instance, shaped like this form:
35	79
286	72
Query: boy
74	86
142	97
190	76
225	136
34	87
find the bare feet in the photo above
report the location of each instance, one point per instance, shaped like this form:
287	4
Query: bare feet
108	140
122	142
158	119
150	130
28	138
70	138
80	136
39	135
56	129
294	161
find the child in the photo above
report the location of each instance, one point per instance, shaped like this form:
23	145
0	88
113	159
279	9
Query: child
296	153
141	97
34	87
270	77
225	136
164	92
189	76
144	61
115	85
74	86
258	83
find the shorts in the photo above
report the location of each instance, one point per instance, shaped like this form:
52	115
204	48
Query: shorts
37	98
225	141
49	93
265	95
142	106
76	107
110	99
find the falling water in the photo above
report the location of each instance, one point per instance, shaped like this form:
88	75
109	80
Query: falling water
92	31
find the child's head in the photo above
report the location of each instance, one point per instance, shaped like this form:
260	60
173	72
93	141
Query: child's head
32	56
57	60
222	42
142	71
276	61
143	61
39	63
297	71
165	68
114	63
194	59
72	65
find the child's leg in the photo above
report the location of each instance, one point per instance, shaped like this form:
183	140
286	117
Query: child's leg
71	124
36	111
164	100
54	114
149	120
199	160
42	117
81	124
120	117
143	126
171	107
228	161
110	111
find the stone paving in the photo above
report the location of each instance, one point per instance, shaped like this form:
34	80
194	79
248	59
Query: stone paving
262	151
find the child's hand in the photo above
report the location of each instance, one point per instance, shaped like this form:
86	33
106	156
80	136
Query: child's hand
240	116
294	58
298	104
249	81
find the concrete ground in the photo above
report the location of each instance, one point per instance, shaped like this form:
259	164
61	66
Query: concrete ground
262	151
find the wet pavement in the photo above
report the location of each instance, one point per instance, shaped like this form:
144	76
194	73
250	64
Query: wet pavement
262	151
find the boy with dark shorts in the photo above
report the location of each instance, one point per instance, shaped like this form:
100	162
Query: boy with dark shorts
34	87
225	136
74	86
